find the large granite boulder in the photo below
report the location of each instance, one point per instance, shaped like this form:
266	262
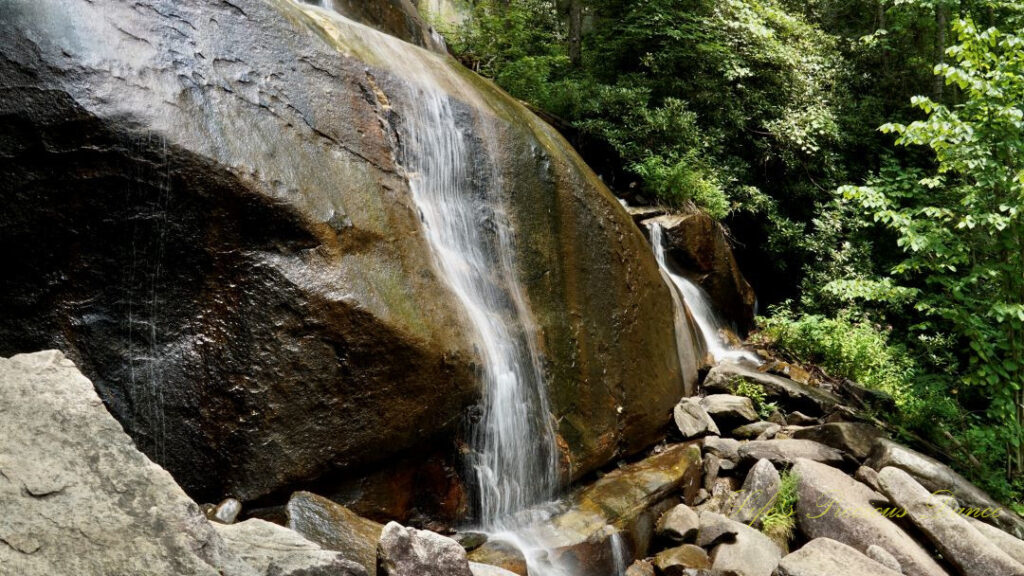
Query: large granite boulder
787	452
741	550
208	207
699	244
966	548
854	438
832	505
759	493
78	498
937	477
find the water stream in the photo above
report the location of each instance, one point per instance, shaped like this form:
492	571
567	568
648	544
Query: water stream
696	300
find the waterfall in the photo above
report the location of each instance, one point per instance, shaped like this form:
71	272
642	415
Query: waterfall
456	184
697	301
620	554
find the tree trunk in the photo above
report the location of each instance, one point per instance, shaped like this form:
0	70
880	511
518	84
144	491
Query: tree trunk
941	23
575	31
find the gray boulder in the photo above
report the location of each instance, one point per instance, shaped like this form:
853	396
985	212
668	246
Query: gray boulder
640	568
883	557
78	498
746	552
274	550
729	408
786	452
869	477
826	557
410	552
226	512
1014	547
335	527
759	492
753	430
724	448
830	504
680	524
479	569
972	553
937	477
692	420
855	438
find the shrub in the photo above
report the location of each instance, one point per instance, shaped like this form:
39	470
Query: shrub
779	522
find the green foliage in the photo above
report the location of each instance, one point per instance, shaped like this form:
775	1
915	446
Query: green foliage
756	393
844	347
779	522
959	225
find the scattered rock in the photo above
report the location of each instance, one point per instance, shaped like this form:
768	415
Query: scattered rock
1014	547
865	397
274	550
882	556
748	553
869	477
801	419
405	551
680	524
675	561
963	546
760	489
505	555
936	477
335	527
755	429
712	466
640	568
790	394
692	420
786	452
641	213
226	512
724	448
856	438
830	504
470	540
826	557
777	418
729	408
77	497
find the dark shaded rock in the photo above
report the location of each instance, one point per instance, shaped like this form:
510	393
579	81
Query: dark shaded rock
865	397
274	550
470	540
398	18
699	244
826	557
801	419
77	497
334	527
405	551
760	489
832	505
679	524
869	477
675	561
746	553
692	420
936	476
230	248
883	557
855	438
727	408
972	553
756	429
790	394
712	466
787	452
641	213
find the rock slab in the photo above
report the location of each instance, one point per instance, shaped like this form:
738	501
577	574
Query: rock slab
410	552
274	550
826	557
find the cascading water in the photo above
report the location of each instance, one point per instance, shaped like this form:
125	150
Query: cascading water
456	184
699	304
620	554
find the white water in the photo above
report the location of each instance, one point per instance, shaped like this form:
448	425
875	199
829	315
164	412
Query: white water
620	554
697	301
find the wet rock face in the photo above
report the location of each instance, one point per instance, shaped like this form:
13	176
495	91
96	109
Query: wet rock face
203	207
700	245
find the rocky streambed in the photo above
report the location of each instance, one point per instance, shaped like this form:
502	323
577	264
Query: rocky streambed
80	499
